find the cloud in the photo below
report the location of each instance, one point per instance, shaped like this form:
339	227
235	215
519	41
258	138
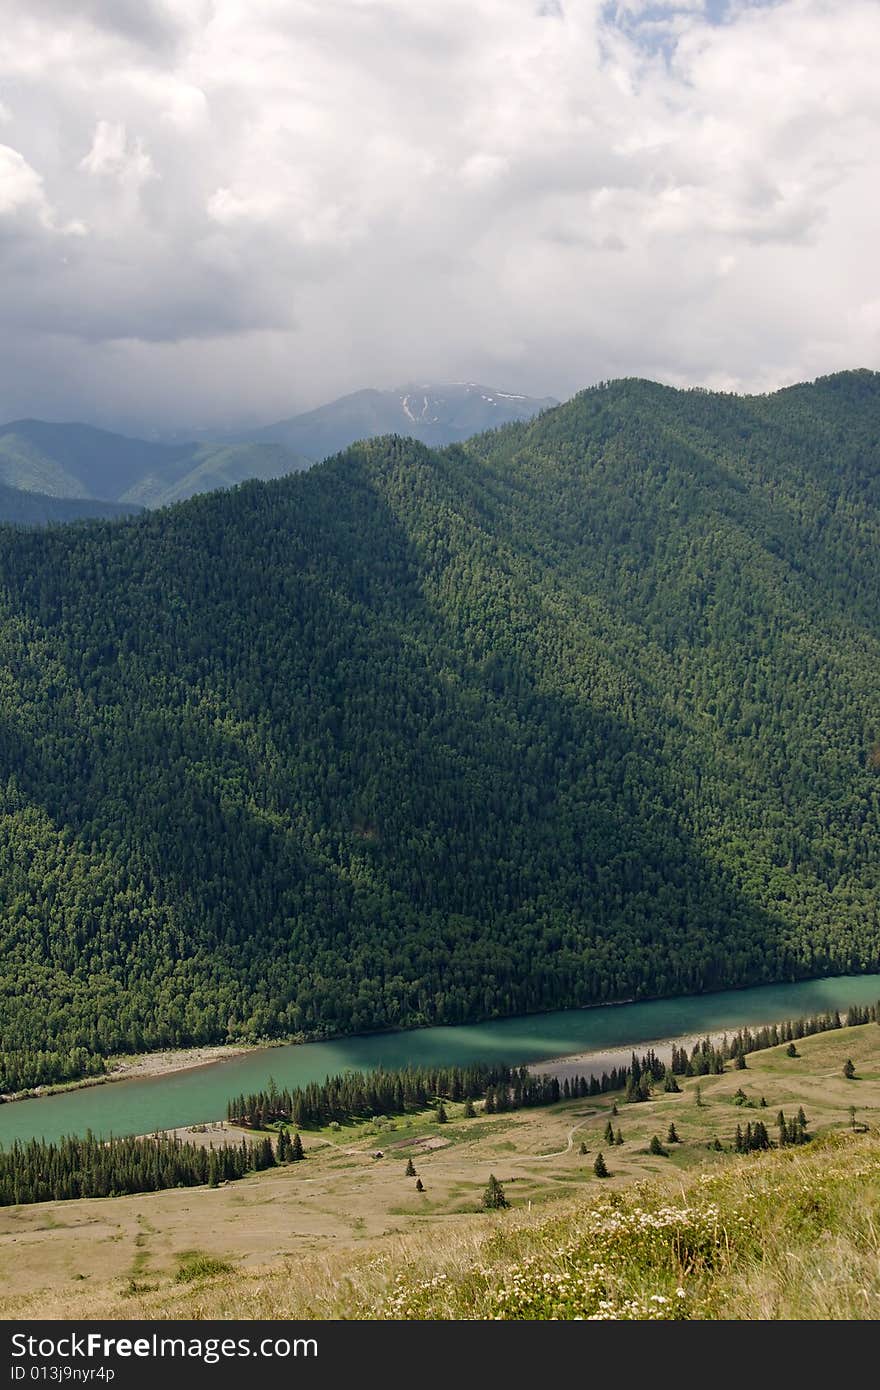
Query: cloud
278	200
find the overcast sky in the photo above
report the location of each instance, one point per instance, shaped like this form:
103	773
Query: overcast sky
220	211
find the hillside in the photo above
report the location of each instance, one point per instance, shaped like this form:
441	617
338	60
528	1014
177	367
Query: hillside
20	508
784	1233
584	710
77	461
434	414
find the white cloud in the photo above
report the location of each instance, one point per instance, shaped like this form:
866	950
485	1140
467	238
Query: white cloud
112	154
20	186
382	189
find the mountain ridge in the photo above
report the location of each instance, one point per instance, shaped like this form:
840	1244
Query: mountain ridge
583	709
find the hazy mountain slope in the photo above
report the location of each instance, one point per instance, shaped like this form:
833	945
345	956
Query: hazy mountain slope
436	415
210	466
35	509
583	710
71	460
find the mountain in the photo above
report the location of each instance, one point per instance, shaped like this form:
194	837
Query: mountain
72	460
436	415
21	508
583	710
206	467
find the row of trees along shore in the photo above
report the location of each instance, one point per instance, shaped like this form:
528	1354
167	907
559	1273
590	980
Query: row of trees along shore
363	1095
37	1171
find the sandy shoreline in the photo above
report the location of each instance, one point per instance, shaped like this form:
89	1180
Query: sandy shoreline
594	1063
142	1066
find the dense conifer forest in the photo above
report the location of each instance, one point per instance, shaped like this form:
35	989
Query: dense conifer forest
583	710
91	1167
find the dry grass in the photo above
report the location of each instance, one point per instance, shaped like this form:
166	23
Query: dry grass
346	1236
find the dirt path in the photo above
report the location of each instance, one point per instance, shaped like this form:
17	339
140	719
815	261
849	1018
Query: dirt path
569	1137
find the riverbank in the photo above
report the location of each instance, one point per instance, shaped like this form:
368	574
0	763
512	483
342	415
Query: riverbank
595	1063
141	1067
154	1097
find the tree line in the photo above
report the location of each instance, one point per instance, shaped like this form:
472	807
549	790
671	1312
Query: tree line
37	1171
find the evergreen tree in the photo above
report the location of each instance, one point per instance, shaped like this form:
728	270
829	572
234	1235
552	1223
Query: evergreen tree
410	1169
420	1186
583	1148
609	1133
296	1149
442	1116
618	1138
791	1050
655	1147
468	1112
599	1167
672	1134
849	1070
493	1197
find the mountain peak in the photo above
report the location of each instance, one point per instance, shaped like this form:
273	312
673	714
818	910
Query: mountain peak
437	413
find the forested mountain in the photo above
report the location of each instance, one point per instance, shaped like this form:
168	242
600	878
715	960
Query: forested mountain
36	509
71	460
437	415
586	709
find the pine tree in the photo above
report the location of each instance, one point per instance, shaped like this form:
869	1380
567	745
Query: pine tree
609	1133
420	1186
583	1148
442	1116
410	1169
672	1135
493	1197
296	1149
655	1147
849	1070
599	1167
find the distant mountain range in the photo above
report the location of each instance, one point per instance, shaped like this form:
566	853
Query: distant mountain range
61	462
76	461
436	415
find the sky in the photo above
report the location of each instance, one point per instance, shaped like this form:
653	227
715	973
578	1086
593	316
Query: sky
220	212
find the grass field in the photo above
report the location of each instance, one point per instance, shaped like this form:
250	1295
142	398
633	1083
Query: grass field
345	1234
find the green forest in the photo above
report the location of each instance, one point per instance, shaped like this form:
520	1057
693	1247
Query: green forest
585	709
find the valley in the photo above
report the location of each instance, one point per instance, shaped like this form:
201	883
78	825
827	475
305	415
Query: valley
344	1233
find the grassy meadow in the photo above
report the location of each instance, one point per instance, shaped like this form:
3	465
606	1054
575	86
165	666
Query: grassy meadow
695	1233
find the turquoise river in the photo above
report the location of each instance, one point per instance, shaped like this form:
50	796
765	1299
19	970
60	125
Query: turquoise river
143	1105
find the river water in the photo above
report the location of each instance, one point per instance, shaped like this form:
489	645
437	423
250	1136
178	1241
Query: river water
140	1106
